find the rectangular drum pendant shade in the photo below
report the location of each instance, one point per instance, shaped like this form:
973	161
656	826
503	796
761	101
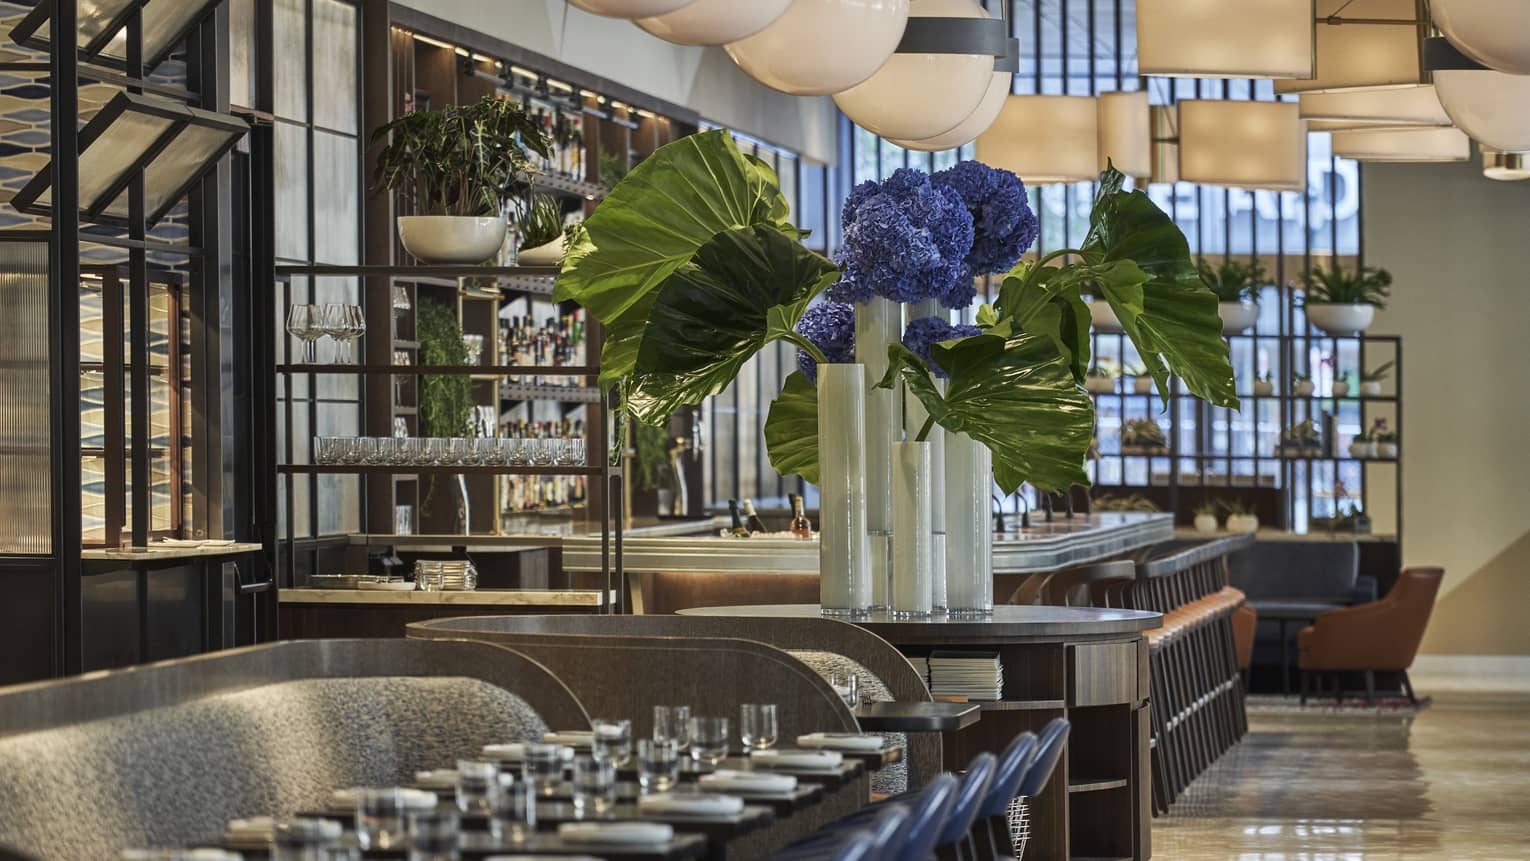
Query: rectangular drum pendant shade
1165	123
1225	38
1126	133
1361	53
1044	139
1258	145
1398	107
1403	145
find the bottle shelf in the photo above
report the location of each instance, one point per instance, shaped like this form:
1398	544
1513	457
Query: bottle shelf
417	370
532	392
454	469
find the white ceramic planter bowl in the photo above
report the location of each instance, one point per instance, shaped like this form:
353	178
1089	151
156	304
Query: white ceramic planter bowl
1386	449
548	254
1103	316
1206	524
1240	523
1362	450
1263	388
1340	388
1237	317
1099	385
1342	320
458	239
1370	389
1303	388
1142	385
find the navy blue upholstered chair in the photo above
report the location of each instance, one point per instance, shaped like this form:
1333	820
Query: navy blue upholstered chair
1054	737
990	833
951	844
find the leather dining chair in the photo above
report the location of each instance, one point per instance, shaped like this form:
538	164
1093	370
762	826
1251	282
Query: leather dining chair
1381	636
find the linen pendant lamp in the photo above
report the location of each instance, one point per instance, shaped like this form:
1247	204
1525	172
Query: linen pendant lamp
1363	44
630	8
821	47
714	22
938	76
1164	121
1256	145
1126	133
1490	106
1044	139
1225	38
1403	145
1495	33
1399	107
1506	166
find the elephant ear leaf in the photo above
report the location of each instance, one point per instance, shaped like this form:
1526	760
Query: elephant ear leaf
746	288
791	429
1174	324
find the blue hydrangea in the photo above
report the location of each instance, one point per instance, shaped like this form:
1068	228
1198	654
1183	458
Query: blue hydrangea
1003	223
905	239
926	332
831	328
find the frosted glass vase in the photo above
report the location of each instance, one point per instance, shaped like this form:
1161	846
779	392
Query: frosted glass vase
913	538
879	322
969	525
914	417
844	549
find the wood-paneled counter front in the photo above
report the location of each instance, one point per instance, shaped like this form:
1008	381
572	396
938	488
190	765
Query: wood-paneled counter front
315	613
1088	665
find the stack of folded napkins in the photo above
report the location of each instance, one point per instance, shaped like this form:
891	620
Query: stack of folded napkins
856	742
571	737
691	804
516	751
255	831
807	759
437	778
413	799
748	782
616	832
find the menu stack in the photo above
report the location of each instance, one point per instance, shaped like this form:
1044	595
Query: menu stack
974	675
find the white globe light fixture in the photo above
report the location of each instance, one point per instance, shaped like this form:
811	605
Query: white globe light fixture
630	8
938	76
1495	33
1492	107
977	122
714	22
822	47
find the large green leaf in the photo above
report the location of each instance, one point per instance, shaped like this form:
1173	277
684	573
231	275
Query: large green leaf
746	288
1174	324
1017	396
1048	304
656	218
791	429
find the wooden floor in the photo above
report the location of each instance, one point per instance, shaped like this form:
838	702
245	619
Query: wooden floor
1452	782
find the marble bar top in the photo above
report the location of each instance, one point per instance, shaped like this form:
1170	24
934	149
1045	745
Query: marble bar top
1005	622
1283	535
1062	543
158	552
478	598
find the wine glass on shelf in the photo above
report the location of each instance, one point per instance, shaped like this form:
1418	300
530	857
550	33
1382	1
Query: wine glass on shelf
304	323
355	327
332	323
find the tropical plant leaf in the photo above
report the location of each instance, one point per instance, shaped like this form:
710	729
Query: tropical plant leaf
1046	304
791	429
656	218
1176	328
746	288
1016	395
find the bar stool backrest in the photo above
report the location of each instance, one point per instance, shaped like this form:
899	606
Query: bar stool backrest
969	796
1013	765
916	840
1054	738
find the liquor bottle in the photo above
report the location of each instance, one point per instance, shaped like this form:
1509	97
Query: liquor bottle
738	530
801	526
756	525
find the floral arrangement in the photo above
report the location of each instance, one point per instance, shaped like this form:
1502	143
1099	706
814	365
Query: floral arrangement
830	326
1003	223
905	239
926	332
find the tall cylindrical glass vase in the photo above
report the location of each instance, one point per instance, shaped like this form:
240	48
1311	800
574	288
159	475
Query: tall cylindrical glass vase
844	551
879	322
969	525
913	543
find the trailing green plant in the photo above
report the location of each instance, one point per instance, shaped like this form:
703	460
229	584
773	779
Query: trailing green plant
651	449
445	400
1232	280
1303	435
1335	286
1209	506
541	221
460	160
1134	502
613	169
1143	433
1378	373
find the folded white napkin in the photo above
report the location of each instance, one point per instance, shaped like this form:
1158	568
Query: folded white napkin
824	759
692	803
254	827
571	737
616	832
437	778
728	780
515	751
414	799
862	742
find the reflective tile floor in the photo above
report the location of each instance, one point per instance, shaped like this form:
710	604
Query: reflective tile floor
1451	782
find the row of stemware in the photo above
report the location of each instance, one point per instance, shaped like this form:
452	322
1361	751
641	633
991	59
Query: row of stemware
438	451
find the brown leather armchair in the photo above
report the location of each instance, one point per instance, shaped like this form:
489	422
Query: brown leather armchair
1380	636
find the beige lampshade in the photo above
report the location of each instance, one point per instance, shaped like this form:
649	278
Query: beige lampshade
1126	133
1398	107
1165	125
1356	55
1246	144
1403	145
1225	38
1505	166
1492	107
1044	139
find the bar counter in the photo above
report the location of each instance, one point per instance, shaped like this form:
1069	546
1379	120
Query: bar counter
318	613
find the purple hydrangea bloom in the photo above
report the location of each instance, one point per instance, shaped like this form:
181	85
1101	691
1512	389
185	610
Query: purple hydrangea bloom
1004	225
905	239
831	328
926	332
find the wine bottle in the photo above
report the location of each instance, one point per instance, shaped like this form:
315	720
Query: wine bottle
756	525
801	526
738	530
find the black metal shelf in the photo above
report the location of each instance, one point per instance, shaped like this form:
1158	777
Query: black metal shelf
416	370
454	469
532	392
562	185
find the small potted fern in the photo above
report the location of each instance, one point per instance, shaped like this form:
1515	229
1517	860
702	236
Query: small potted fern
1344	303
1363	445
1236	284
1264	387
1302	386
1240	517
1143	436
541	232
1099	381
1206	517
1370	381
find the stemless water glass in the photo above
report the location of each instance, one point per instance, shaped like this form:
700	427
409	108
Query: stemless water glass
594	786
510	452
477	784
487	451
304	322
658	764
461	451
436	452
555	451
847	685
542	768
613	741
434	835
709	739
514	814
574	454
325	450
303	839
401	303
672	722
757	726
366	449
380	818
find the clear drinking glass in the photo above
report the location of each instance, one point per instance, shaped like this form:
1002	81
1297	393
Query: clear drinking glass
757	726
847	685
477	784
522	451
709	739
543	452
555	450
672	722
401	304
434	835
366	449
325	450
575	454
594	786
402	451
461	451
436	451
347	451
488	451
303	323
542	768
303	839
514	815
380	818
355	326
332	323
509	451
415	453
658	764
613	741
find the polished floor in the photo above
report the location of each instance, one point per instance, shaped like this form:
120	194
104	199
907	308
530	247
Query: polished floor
1450	782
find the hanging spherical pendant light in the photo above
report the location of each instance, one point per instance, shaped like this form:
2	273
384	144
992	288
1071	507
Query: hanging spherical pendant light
821	47
714	22
1495	33
630	8
987	112
1489	106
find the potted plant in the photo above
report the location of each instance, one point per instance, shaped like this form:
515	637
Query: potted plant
1143	436
1370	381
1301	440
1362	446
1302	386
1206	517
1099	381
1264	386
1142	383
1236	284
455	168
541	232
1340	385
1344	303
1386	440
1240	517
